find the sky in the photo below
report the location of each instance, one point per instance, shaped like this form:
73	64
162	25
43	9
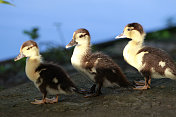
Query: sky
103	18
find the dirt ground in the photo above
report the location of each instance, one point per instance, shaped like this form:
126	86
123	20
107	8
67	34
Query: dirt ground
160	101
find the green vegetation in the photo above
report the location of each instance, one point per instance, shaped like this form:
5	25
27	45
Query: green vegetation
33	34
59	55
167	34
6	2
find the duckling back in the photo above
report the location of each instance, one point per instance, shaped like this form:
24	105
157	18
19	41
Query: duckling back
105	70
52	76
158	63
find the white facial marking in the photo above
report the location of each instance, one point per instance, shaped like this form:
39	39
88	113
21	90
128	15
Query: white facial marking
34	51
162	64
82	40
55	80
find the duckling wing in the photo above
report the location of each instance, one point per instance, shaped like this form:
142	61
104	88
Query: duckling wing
157	60
103	66
93	61
53	75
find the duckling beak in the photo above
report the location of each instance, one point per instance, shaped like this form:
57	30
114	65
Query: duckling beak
71	44
121	36
20	56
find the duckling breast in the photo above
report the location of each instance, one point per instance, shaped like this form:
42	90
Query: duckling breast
31	65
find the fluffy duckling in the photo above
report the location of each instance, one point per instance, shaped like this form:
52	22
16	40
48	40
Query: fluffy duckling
48	78
98	67
149	61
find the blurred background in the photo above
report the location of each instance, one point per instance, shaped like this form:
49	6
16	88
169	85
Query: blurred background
52	23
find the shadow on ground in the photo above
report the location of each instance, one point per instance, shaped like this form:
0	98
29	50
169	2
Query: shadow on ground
159	101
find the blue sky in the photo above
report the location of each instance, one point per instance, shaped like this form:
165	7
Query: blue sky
103	18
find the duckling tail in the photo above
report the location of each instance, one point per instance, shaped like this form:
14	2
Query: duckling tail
123	81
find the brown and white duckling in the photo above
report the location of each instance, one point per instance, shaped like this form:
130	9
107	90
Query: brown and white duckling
149	61
48	78
98	67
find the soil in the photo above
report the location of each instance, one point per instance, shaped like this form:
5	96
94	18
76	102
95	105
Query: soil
160	101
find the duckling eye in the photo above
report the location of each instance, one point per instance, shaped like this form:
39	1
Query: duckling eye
81	36
29	48
128	29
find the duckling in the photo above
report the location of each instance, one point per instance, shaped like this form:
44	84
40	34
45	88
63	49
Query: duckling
149	61
100	68
47	77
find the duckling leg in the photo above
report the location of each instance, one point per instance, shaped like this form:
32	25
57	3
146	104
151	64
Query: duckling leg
43	101
149	82
91	90
95	94
140	83
146	86
51	101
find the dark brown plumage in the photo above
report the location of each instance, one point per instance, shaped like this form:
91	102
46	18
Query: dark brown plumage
98	67
81	30
48	78
106	68
50	71
150	62
152	59
137	27
29	43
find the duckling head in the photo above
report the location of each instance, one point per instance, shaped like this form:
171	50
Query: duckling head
133	31
80	37
28	49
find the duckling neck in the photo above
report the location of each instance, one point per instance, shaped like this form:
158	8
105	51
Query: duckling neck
131	50
78	54
31	65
